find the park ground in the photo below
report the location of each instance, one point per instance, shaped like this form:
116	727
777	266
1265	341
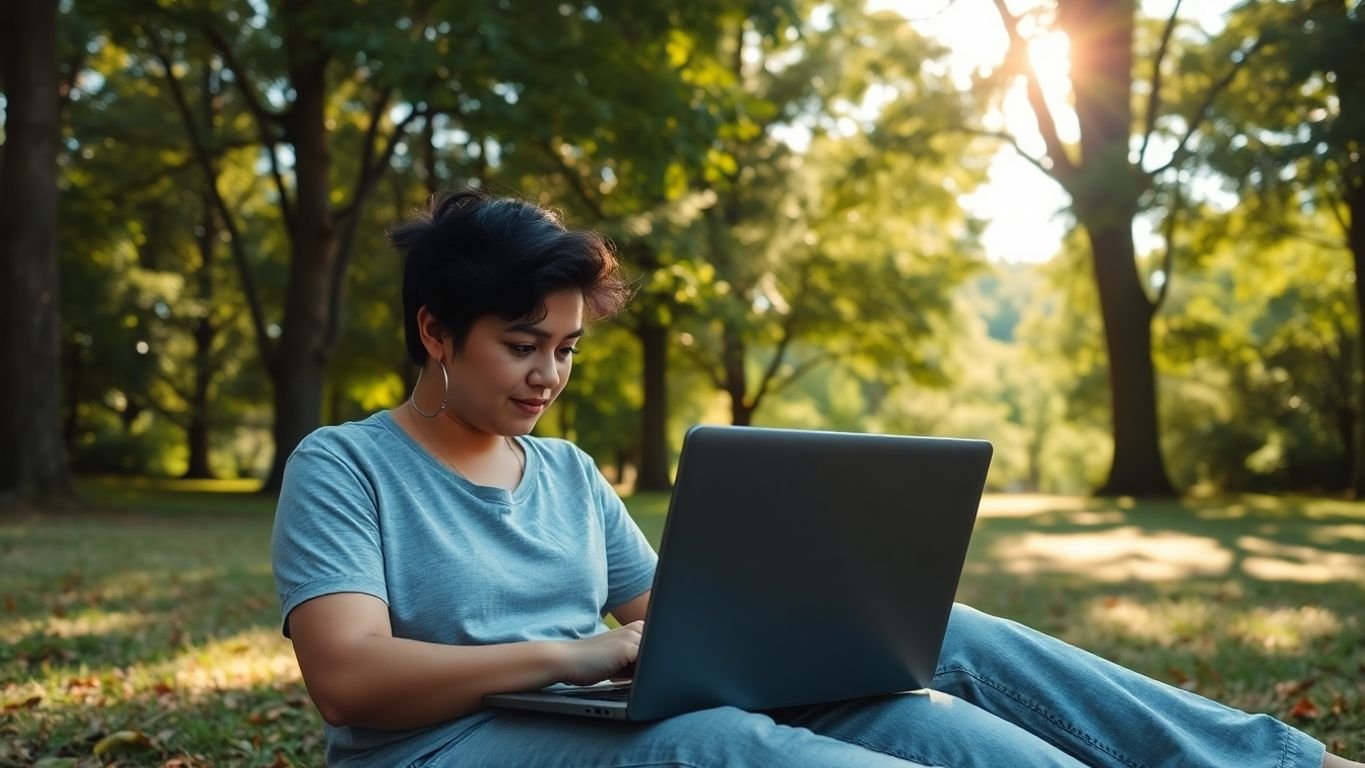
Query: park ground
145	631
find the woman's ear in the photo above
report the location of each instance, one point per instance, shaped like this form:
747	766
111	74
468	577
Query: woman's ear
432	334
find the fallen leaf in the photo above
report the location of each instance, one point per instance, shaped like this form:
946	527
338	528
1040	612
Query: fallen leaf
122	741
1111	602
10	605
1338	705
1291	688
76	683
1303	709
28	703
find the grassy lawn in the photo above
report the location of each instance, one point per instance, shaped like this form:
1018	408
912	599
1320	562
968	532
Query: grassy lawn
149	632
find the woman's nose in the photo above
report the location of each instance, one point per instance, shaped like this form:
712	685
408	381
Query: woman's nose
545	373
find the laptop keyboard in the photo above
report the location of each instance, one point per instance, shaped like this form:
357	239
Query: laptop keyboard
616	693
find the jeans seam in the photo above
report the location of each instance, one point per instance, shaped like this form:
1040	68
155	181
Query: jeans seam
892	752
1288	749
1054	719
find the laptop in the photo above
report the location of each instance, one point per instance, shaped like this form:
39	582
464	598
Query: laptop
796	567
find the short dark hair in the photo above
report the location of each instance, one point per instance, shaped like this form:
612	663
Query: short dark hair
472	254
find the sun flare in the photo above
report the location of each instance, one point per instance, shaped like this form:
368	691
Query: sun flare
1049	55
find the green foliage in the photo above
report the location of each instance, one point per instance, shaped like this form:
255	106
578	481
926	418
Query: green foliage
844	249
149	301
1260	349
1271	326
782	182
599	410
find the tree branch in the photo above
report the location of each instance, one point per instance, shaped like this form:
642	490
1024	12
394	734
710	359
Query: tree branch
1154	97
371	169
172	169
1197	120
718	379
205	162
264	119
367	151
164	378
1008	137
788	332
802	369
1335	204
1168	232
1063	169
575	180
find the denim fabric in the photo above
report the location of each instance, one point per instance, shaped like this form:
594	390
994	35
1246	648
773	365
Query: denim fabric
1003	695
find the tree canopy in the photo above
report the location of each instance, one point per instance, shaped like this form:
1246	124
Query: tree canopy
786	183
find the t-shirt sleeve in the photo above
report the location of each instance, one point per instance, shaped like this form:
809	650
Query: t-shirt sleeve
326	535
630	558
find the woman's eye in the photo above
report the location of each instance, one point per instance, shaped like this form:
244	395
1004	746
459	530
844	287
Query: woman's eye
522	349
568	352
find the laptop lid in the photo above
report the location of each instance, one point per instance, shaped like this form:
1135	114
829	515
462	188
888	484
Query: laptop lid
799	567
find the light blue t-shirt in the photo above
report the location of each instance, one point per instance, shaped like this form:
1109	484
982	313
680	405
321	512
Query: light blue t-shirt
365	509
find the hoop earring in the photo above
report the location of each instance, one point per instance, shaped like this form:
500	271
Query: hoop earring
445	397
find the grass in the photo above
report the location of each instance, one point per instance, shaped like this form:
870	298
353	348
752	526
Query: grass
148	631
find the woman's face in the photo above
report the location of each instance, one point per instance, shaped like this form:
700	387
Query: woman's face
509	371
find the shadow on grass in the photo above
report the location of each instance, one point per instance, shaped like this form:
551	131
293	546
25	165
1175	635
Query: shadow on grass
1255	602
162	617
1285	542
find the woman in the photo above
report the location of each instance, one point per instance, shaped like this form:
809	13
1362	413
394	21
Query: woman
434	553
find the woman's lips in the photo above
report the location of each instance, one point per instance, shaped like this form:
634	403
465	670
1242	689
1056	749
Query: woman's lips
531	407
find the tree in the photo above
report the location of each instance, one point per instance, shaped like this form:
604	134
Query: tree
858	230
34	466
619	154
1257	350
1107	184
321	233
152	319
480	70
1292	140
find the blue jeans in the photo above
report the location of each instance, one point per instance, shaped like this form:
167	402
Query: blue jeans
1003	695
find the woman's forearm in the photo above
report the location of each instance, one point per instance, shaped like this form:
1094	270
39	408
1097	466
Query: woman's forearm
395	683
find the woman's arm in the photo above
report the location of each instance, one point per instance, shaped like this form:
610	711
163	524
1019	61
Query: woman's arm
632	610
359	674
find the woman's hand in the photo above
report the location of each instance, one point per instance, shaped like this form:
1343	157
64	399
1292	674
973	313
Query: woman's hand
594	659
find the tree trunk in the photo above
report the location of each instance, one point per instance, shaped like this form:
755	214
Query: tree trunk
197	430
205	333
33	466
1104	189
71	373
1346	431
653	470
303	352
1356	238
197	438
1137	468
736	378
1350	87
